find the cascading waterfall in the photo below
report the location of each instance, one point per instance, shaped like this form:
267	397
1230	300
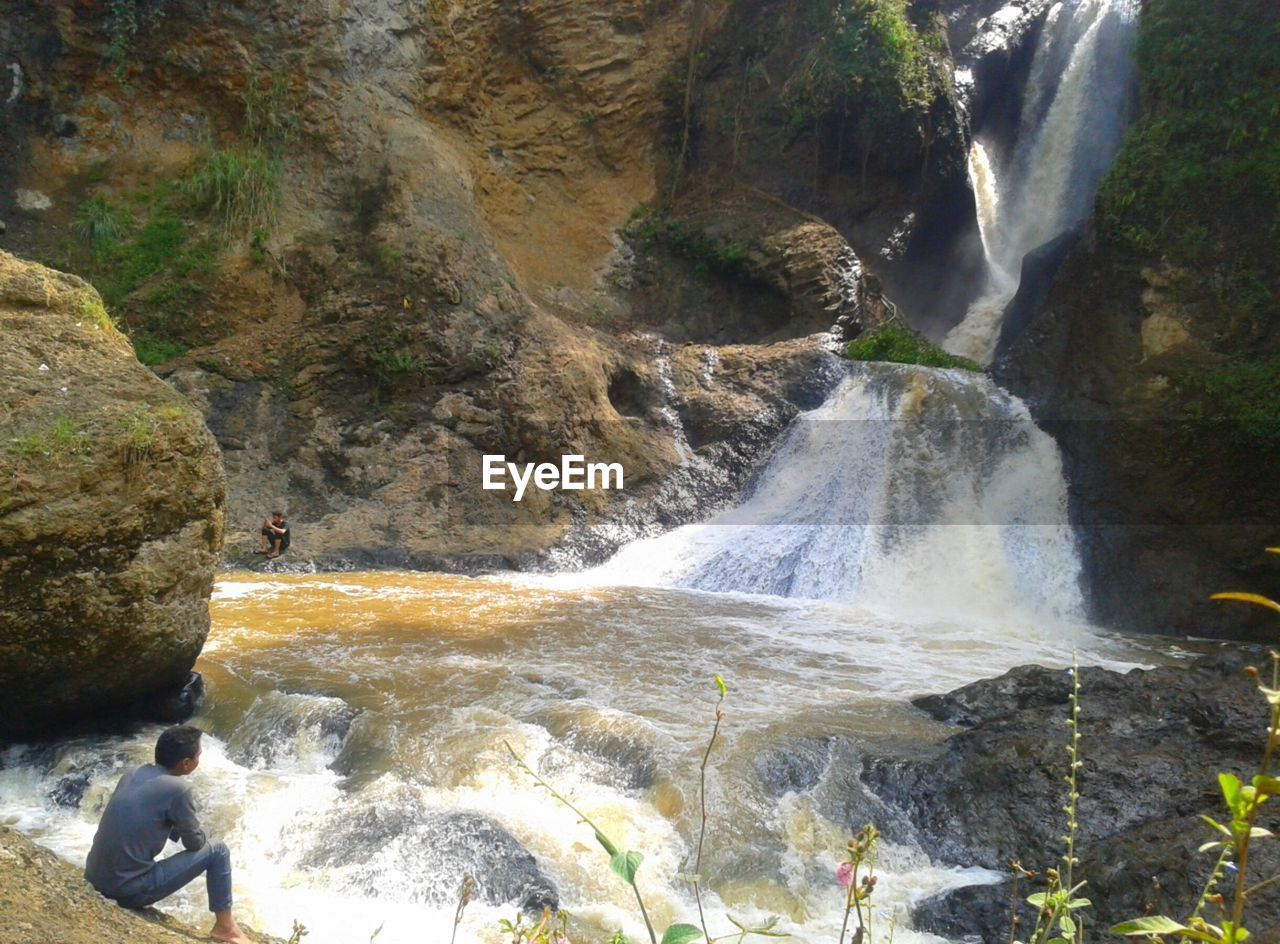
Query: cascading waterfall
1076	106
908	489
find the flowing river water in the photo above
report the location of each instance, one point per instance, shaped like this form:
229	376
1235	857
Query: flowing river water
907	537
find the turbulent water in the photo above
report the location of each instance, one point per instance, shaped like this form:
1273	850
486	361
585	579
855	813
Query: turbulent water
905	538
1076	105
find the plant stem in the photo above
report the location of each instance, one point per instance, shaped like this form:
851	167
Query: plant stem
702	830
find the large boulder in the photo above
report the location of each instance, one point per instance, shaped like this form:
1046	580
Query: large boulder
111	511
1153	744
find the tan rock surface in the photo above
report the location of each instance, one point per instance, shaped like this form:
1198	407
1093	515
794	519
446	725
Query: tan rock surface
111	509
45	900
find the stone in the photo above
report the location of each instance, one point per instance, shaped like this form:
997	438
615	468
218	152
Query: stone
1153	744
111	498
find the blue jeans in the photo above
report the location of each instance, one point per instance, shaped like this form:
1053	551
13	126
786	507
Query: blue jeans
168	875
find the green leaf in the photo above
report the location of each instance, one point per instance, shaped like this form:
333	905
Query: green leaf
1076	904
608	846
1037	900
1267	785
625	865
1205	847
1257	832
681	934
1157	924
1068	926
720	685
1216	825
1230	784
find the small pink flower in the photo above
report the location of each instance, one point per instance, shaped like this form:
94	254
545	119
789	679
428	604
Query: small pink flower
844	874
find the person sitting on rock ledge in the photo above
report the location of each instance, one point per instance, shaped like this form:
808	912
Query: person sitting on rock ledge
150	805
275	536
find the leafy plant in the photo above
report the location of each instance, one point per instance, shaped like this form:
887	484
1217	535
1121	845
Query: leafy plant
1232	839
1055	923
388	364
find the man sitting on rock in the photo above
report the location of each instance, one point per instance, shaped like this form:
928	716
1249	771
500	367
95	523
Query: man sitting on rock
150	805
275	536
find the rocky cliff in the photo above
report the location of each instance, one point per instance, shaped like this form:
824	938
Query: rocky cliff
111	511
379	240
1154	355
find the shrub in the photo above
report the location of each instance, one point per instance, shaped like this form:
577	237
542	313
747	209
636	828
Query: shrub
898	344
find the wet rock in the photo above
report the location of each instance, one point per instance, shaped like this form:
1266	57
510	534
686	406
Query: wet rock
795	766
175	705
623	743
388	838
293	727
69	791
972	913
1153	744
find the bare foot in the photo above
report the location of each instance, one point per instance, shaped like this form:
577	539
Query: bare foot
234	936
272	556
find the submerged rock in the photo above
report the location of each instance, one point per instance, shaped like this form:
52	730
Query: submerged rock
111	496
386	841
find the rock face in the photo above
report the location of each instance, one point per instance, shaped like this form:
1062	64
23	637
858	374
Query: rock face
44	899
1153	745
447	274
111	504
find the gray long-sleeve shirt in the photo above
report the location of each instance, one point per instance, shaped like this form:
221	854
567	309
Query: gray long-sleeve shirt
150	805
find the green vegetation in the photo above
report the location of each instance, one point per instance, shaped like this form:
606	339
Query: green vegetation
871	70
98	223
1197	185
126	20
151	350
61	439
389	364
898	344
93	310
238	187
709	254
1233	406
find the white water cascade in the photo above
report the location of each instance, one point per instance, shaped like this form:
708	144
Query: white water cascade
909	489
1073	118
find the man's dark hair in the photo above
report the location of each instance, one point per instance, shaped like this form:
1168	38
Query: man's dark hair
277	514
177	744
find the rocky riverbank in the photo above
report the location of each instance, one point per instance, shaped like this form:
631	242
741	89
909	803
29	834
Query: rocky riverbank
1153	745
45	900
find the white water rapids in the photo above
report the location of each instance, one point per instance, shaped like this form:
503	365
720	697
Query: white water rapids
906	537
1074	113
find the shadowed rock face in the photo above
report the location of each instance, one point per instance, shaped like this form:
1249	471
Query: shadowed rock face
1153	745
111	495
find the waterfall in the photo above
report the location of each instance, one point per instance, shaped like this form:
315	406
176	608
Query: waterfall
910	489
1075	109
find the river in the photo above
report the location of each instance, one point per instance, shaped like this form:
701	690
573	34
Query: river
351	716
